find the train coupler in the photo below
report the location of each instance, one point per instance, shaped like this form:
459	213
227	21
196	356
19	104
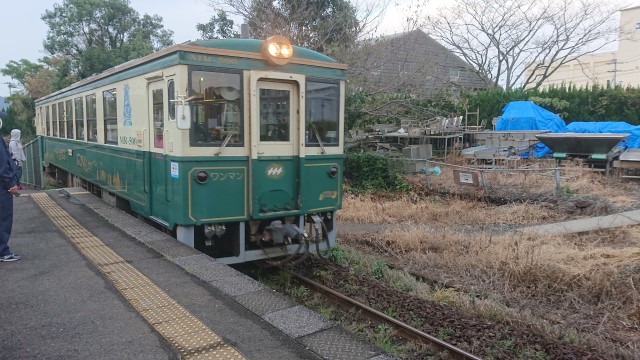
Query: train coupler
283	233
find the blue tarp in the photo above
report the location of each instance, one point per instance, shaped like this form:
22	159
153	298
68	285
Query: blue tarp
615	127
525	115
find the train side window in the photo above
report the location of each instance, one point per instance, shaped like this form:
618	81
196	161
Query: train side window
42	124
79	114
110	106
54	113
69	115
216	103
46	117
158	118
61	120
322	113
92	118
171	93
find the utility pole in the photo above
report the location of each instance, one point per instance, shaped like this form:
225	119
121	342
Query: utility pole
615	71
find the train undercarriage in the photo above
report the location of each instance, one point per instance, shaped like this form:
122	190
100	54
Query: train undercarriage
278	239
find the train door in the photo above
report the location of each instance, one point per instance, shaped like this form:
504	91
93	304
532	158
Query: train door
157	122
275	149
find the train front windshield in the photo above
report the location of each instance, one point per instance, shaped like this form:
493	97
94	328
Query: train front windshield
216	108
322	113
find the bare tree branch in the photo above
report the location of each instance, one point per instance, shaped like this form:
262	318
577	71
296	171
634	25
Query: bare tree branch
502	38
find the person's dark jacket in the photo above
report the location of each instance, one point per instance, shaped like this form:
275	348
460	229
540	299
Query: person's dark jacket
7	168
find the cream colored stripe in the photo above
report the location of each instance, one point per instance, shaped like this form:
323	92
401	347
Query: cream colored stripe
188	335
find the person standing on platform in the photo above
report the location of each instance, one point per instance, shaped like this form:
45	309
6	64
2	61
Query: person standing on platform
17	154
8	189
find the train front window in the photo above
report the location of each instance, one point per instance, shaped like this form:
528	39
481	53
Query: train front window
322	113
216	108
274	115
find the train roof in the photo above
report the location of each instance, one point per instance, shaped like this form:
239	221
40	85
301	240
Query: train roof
255	46
245	49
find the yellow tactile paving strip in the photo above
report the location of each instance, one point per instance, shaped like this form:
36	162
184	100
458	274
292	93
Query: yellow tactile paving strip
188	335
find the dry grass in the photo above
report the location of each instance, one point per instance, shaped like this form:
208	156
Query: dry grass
617	192
552	283
546	266
583	287
451	212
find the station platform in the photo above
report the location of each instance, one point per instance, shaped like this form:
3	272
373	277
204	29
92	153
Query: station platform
97	283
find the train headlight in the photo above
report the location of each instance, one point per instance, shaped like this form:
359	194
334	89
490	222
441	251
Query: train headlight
202	176
278	50
333	171
274	49
286	50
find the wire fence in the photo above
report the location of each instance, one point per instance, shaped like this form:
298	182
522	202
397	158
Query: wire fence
496	183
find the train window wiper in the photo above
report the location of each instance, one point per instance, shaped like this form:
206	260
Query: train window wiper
315	131
224	143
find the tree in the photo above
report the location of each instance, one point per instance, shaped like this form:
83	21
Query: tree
53	76
218	27
20	115
94	35
321	25
39	79
404	78
501	38
36	80
20	71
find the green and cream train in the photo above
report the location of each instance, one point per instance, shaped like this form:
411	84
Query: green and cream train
235	145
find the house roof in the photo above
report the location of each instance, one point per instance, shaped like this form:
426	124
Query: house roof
417	46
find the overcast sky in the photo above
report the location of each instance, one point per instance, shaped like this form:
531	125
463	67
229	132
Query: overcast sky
23	31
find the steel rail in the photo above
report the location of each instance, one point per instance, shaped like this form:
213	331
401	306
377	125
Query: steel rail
404	330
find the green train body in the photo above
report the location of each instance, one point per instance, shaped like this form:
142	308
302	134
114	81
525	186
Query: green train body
213	140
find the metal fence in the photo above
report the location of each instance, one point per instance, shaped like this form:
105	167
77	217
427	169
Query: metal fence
497	183
32	173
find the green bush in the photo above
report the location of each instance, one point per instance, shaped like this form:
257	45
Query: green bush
366	172
594	103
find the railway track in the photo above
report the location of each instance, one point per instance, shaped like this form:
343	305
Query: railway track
402	329
418	319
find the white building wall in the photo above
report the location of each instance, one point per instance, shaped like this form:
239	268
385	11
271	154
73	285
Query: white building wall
621	67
